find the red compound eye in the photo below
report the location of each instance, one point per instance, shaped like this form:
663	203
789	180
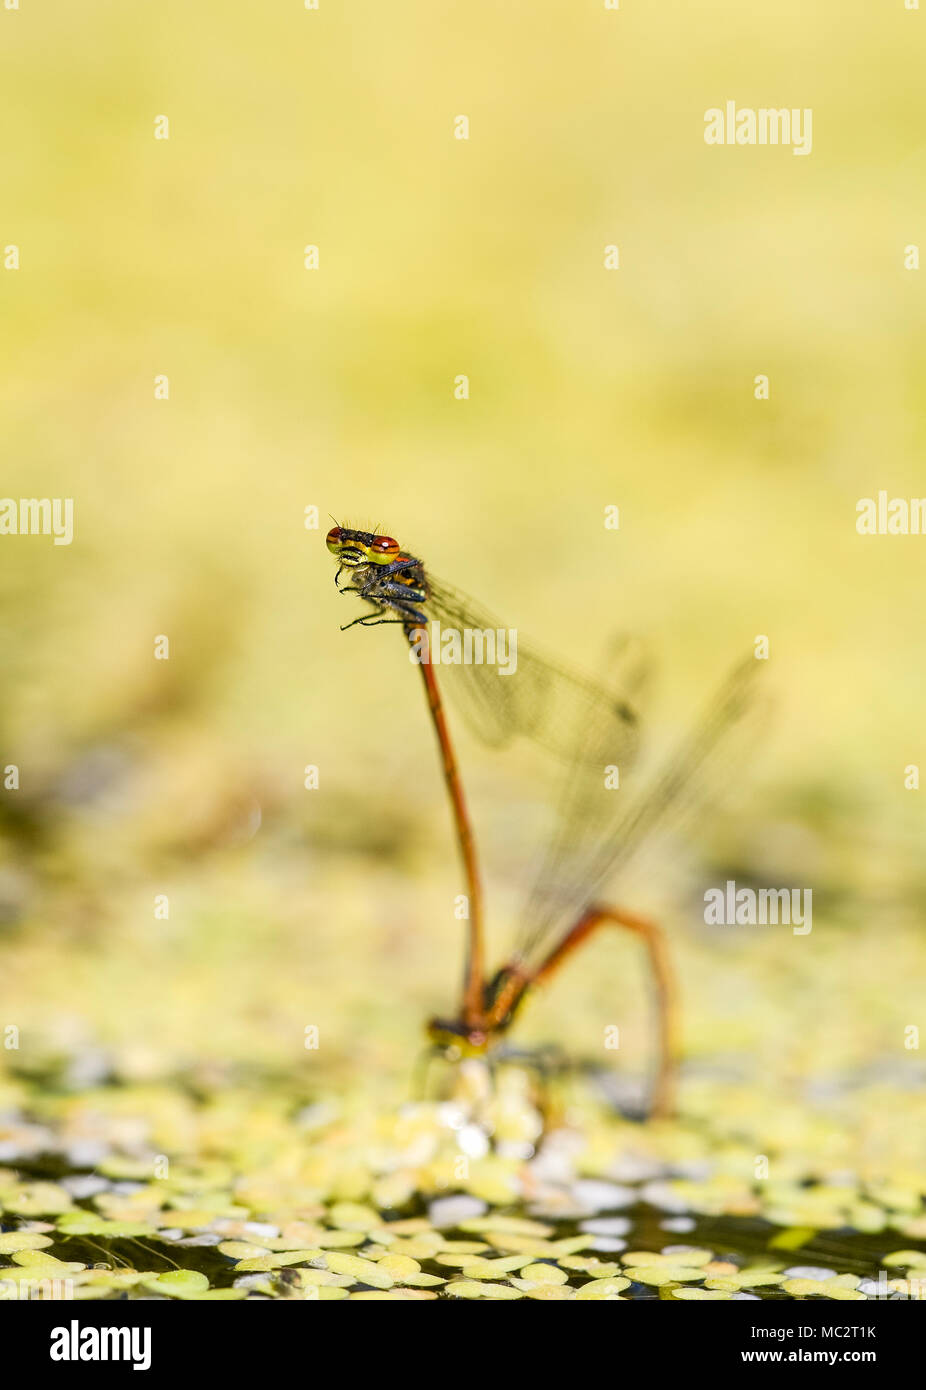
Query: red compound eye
383	549
333	539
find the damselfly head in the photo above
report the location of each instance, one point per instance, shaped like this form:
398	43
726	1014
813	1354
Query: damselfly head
356	548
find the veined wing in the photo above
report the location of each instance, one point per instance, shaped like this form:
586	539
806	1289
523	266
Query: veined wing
558	709
599	831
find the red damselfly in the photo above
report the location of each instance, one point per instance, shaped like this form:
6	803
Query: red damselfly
507	689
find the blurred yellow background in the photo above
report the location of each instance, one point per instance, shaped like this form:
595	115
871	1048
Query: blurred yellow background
291	388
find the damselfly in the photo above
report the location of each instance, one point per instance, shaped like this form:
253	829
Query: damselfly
594	727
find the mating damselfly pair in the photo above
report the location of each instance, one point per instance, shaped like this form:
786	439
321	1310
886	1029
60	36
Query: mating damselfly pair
593	727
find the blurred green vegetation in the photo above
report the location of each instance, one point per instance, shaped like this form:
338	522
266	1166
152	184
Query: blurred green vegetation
333	388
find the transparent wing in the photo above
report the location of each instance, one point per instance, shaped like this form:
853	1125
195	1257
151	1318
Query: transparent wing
599	830
561	710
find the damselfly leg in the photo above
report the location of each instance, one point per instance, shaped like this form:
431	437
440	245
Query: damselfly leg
518	979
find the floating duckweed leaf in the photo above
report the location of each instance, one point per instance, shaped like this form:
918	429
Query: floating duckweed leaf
11	1241
865	1216
908	1258
187	1220
570	1245
179	1283
350	1183
354	1216
361	1271
744	1279
664	1274
686	1255
546	1293
416	1248
241	1249
491	1269
915	1228
393	1191
338	1240
399	1266
85	1223
411	1226
518	1244
826	1288
794	1238
539	1249
396	1295
701	1295
38	1199
247	1230
495	1181
510	1225
321	1277
544	1274
217	1295
112	1278
462	1247
131	1169
462	1261
294	1235
277	1259
680	1255
482	1269
38	1260
602	1288
898	1198
467	1288
598	1269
